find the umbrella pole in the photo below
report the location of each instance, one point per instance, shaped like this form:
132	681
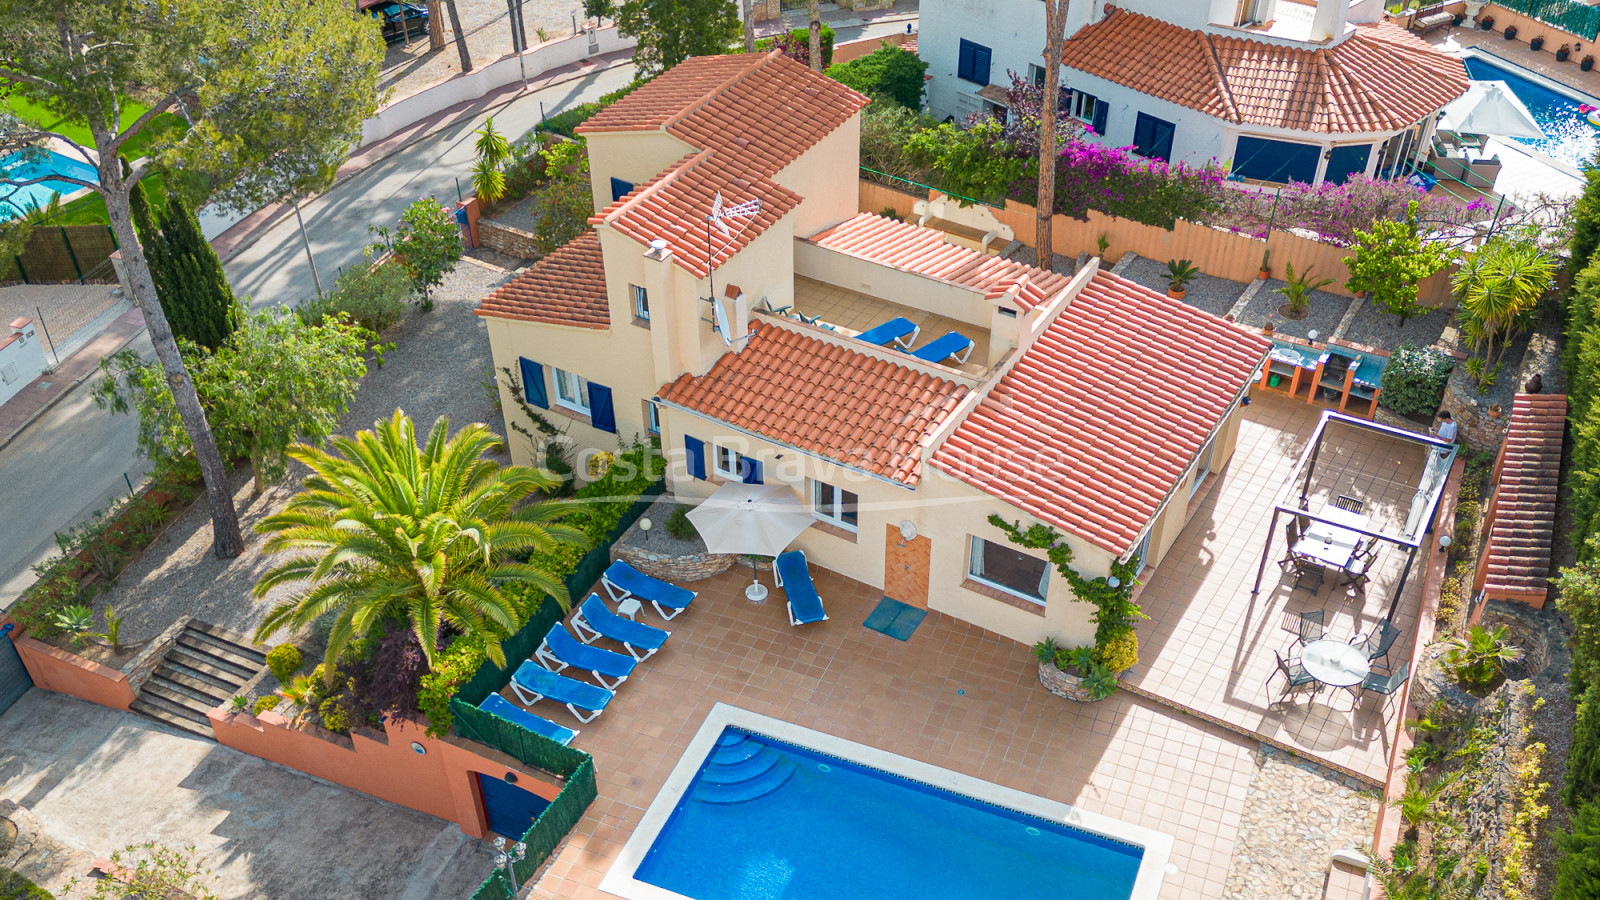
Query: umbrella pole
756	592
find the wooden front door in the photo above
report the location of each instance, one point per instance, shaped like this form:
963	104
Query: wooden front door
905	568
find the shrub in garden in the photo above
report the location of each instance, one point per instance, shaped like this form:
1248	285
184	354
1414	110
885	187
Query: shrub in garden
373	297
426	243
452	668
1583	761
564	204
1578	595
151	870
284	660
1337	213
888	72
1584	477
679	526
886	130
1121	652
796	45
1390	260
15	887
1585	223
263	704
971	164
1479	658
1414	380
1578	867
1581	355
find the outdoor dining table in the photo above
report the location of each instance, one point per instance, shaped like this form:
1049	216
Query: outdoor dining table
1336	663
1329	544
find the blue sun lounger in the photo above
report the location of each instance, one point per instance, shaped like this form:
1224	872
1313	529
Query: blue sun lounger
505	709
899	329
560	650
622	581
533	682
953	343
596	620
794	576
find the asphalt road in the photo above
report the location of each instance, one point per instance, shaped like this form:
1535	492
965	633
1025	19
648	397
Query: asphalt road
71	462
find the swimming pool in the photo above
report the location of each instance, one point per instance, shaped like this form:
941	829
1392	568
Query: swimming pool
753	815
24	166
1569	138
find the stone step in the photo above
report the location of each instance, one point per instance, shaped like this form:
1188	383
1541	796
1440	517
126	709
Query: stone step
171	714
223	651
205	684
241	644
205	664
183	696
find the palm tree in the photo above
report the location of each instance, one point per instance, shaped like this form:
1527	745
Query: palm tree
384	531
1499	286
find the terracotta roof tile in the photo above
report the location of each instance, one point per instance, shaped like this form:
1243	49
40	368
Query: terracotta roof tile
1102	415
1523	528
568	287
1380	78
848	406
924	251
673	207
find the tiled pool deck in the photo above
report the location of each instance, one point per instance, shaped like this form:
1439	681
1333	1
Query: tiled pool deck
961	698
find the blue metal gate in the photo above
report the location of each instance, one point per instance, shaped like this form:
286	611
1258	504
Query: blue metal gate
509	809
14	680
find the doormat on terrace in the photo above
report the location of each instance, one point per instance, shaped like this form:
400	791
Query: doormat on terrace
895	619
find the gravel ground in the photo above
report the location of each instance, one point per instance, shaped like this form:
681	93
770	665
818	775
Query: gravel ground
437	368
1326	311
519	215
1376	328
656	540
1207	292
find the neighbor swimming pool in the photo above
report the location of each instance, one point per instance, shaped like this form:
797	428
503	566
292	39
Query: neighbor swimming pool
1569	138
20	168
750	816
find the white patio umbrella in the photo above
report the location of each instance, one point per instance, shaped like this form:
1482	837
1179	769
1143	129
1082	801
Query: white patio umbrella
758	519
1489	107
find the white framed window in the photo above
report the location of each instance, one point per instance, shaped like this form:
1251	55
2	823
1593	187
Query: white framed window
999	566
726	462
572	391
834	505
1036	74
653	417
1083	106
641	302
1202	466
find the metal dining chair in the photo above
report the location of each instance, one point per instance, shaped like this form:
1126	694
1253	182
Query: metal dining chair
1308	575
1349	504
1386	683
1358	573
1291	534
1376	643
1296	678
1307	626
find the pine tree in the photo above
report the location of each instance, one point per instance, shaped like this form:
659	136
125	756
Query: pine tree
200	297
1578	868
1585	224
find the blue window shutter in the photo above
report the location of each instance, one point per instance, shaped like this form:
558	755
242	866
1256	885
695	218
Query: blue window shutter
1144	128
1162	148
620	188
964	60
750	470
1100	109
533	389
980	65
696	451
601	413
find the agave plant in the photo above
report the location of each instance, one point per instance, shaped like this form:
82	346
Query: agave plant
1480	657
385	530
76	620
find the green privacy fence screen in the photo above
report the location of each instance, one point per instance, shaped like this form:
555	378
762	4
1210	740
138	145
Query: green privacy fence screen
515	741
495	887
1581	20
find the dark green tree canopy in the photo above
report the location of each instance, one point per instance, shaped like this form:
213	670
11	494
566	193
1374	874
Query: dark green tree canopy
886	72
671	31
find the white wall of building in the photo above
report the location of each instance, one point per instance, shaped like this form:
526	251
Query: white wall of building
1013	30
21	358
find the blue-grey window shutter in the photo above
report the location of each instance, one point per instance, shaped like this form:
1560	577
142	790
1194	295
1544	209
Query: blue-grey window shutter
749	470
980	65
533	389
601	413
620	189
1100	109
696	451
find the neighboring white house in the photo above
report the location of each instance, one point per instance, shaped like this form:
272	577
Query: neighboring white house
1279	90
21	358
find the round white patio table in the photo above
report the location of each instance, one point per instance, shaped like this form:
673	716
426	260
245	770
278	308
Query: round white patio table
1336	663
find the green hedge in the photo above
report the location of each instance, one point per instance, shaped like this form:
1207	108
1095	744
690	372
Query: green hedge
495	887
1581	20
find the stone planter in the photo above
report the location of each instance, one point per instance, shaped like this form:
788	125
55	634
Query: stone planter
656	554
1063	684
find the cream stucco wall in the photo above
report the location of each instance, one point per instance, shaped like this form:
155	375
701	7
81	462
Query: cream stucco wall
818	176
633	156
897	286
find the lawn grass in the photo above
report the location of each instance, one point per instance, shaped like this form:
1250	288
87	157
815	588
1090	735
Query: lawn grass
90	209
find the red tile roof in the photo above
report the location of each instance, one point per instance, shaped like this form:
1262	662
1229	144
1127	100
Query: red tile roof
923	251
1380	78
568	287
762	108
1103	414
1524	511
808	393
674	205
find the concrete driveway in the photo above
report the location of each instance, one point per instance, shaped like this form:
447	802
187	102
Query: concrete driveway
96	780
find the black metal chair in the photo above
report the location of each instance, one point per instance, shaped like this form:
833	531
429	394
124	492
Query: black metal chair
1291	533
1308	575
1306	626
1386	683
1376	643
1296	678
1349	504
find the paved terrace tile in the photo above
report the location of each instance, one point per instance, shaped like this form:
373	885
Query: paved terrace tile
1209	644
1124	757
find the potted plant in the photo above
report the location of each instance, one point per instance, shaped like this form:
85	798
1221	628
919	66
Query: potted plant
1486	23
1587	63
1297	290
1270	327
1180	272
1562	52
1537	43
1074	674
1495	411
1455	21
1266	265
1510	33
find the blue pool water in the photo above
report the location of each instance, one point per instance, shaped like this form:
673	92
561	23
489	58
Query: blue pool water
764	820
1569	137
22	167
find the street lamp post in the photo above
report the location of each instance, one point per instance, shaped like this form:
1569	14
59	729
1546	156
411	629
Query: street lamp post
507	856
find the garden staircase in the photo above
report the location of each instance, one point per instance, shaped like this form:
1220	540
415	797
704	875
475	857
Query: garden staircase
204	669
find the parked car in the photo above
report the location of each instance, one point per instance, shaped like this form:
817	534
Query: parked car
391	13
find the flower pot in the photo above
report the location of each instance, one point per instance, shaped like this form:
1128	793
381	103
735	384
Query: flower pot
1562	55
1587	64
1177	291
1456	22
1268	328
1495	411
1510	33
1536	44
1264	273
1486	23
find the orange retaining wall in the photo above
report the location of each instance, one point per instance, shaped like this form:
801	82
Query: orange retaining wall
57	670
854	50
438	781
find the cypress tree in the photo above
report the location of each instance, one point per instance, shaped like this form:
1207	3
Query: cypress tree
202	297
1583	761
1585	223
1578	867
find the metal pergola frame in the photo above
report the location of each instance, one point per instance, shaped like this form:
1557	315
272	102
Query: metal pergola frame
1435	472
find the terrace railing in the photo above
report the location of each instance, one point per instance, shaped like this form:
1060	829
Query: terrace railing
1581	20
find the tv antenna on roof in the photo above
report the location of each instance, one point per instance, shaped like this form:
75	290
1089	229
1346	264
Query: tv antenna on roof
741	215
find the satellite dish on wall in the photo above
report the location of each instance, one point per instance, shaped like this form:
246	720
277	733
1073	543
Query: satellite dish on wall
722	322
